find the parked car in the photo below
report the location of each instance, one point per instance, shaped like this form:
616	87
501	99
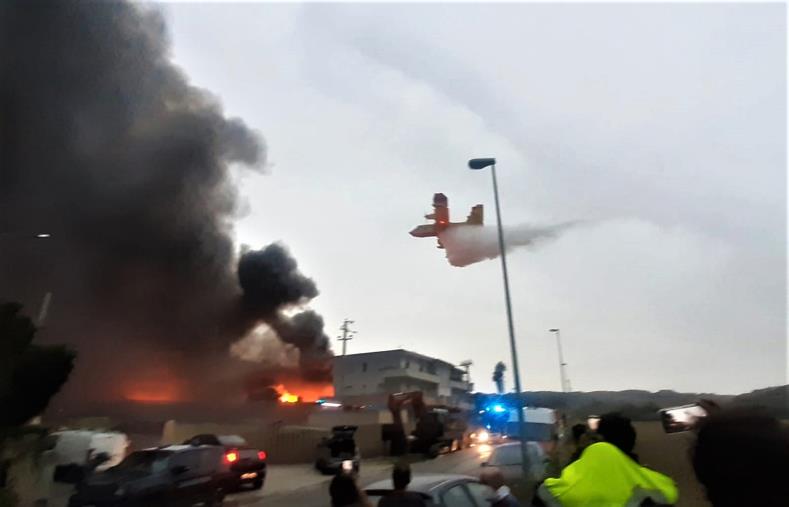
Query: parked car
245	466
334	450
507	458
439	490
172	476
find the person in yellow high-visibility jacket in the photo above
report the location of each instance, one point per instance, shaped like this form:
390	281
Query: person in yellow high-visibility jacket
604	476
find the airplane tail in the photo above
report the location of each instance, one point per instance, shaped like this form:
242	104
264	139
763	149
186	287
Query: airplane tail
476	216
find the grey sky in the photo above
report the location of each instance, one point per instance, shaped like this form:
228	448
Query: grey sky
663	125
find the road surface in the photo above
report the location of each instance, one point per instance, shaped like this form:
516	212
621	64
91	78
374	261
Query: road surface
302	486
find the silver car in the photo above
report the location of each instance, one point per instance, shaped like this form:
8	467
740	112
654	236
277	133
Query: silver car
507	458
444	490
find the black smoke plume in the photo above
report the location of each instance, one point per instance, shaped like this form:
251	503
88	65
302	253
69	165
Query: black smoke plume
105	145
271	282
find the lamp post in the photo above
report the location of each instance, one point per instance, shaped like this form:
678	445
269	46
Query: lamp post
562	365
477	164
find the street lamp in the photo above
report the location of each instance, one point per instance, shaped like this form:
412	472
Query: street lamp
482	163
562	365
25	235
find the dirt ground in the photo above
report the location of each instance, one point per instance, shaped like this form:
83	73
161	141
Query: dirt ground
669	454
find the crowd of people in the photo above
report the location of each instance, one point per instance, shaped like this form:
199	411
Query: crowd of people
740	457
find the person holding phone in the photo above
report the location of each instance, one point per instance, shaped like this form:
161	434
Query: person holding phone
741	457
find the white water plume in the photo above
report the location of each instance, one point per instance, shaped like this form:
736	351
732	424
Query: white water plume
470	244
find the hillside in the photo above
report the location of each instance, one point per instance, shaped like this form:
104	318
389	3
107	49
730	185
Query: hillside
643	405
774	399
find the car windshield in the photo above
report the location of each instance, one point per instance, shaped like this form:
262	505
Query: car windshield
144	462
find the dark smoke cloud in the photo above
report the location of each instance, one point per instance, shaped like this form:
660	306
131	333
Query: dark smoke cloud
271	282
270	279
106	145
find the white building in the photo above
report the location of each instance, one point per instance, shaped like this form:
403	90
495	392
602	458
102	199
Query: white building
372	376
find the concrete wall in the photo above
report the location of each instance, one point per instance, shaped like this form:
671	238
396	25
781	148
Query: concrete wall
283	444
328	418
368	439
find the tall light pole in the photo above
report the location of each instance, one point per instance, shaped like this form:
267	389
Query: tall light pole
482	163
562	365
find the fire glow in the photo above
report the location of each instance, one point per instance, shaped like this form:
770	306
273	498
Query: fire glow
297	392
149	391
287	397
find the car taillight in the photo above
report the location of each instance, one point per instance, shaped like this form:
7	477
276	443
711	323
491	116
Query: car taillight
262	455
231	457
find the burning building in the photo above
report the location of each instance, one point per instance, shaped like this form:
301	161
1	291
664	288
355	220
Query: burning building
107	147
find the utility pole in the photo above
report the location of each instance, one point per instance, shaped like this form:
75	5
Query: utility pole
466	365
347	334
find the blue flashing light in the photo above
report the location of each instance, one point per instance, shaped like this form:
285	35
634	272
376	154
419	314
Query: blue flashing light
499	408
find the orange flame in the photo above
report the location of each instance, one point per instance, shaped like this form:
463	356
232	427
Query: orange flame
303	391
287	397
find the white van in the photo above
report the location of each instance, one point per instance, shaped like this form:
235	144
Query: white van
80	446
34	479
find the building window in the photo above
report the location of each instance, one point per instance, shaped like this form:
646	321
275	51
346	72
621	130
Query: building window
364	367
406	364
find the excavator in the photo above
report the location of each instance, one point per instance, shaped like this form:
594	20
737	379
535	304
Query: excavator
439	428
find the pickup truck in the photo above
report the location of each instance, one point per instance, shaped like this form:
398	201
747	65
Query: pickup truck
245	466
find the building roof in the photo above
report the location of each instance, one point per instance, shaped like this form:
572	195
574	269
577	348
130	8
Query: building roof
401	351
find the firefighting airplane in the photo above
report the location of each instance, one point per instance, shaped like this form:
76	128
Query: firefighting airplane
440	217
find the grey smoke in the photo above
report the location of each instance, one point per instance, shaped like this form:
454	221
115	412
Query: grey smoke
468	245
106	145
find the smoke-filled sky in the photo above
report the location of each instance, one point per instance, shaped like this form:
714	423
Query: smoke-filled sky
660	128
662	125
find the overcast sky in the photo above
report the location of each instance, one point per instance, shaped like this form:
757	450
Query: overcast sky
663	126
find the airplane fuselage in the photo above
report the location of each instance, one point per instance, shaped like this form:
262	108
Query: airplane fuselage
440	217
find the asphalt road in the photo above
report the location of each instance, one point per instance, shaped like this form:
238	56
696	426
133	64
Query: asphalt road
301	486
